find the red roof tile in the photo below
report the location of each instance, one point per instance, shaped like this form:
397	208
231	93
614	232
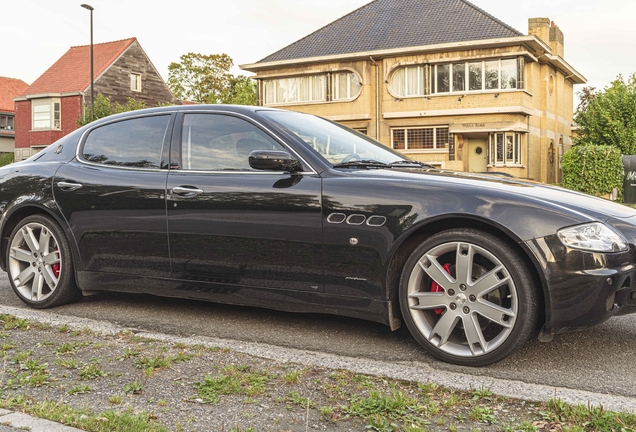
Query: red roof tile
71	72
10	88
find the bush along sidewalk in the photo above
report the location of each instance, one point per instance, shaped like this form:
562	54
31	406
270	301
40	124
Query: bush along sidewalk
595	170
125	382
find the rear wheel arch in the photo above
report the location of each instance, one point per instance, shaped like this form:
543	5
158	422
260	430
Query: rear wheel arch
419	234
18	214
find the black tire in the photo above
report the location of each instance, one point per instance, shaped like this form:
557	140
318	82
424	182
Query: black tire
468	298
37	254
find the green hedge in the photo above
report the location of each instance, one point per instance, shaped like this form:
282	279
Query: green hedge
6	158
595	170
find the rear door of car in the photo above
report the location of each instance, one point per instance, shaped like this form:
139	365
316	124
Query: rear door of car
231	225
113	197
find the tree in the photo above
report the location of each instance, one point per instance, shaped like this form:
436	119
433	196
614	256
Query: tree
242	91
104	107
200	78
608	117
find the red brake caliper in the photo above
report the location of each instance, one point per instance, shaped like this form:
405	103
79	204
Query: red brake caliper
56	267
436	288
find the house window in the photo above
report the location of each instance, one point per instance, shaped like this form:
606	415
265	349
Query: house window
420	138
6	122
345	85
46	114
135	82
409	81
505	148
488	75
296	89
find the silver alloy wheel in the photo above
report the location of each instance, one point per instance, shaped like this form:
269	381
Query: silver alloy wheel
473	312
35	262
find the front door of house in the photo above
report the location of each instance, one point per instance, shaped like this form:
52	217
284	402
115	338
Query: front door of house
477	154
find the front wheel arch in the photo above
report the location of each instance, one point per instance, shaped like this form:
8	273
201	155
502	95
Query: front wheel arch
485	306
417	235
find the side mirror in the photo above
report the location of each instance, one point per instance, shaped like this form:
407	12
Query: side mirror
274	160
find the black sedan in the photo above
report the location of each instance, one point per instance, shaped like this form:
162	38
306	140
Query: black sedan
277	209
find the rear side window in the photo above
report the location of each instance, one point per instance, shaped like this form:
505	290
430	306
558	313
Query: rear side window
217	142
133	143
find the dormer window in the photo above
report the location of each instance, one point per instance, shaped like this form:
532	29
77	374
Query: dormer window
135	82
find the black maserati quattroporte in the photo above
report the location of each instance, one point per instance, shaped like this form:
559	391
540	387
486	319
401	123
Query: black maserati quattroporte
277	209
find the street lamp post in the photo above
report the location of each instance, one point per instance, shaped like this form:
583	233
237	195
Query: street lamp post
90	8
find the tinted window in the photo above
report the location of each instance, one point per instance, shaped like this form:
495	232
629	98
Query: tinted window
130	143
213	142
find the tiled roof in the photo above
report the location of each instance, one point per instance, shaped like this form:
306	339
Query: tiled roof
388	24
71	73
10	88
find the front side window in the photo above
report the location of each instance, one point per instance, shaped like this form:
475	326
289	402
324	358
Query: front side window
420	138
135	143
345	85
216	142
295	89
46	114
409	81
505	148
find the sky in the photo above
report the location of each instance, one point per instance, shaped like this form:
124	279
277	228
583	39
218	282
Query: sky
600	35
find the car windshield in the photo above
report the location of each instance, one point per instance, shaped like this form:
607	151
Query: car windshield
337	144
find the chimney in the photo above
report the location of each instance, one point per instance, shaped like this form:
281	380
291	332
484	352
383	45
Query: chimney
548	32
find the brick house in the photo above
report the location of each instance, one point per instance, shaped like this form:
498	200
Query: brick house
49	108
9	88
439	80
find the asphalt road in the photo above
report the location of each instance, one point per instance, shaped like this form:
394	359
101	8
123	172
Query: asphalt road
598	360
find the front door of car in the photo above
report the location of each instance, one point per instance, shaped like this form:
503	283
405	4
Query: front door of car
231	225
114	198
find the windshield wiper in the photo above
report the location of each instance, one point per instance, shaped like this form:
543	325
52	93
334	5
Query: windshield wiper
364	163
408	163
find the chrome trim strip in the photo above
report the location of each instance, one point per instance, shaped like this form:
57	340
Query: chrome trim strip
243	116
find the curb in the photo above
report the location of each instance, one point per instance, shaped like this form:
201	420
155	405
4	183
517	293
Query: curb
408	371
20	421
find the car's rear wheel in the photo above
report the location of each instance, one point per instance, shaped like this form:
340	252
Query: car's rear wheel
468	298
40	264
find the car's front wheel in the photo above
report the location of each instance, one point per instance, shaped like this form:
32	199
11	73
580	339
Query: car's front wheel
468	298
40	264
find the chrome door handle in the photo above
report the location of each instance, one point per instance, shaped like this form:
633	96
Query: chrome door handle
186	191
68	186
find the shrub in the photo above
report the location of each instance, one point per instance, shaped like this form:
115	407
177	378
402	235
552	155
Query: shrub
6	158
595	170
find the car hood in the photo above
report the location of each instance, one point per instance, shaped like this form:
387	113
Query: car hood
591	206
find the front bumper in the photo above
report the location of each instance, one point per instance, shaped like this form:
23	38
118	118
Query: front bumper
583	289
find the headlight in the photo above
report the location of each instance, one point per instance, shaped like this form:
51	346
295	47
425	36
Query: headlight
594	237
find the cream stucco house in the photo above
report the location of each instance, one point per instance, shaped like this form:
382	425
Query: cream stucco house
439	80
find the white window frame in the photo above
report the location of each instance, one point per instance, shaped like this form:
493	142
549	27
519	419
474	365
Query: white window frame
50	122
517	142
336	86
406	148
467	62
135	82
421	80
270	90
